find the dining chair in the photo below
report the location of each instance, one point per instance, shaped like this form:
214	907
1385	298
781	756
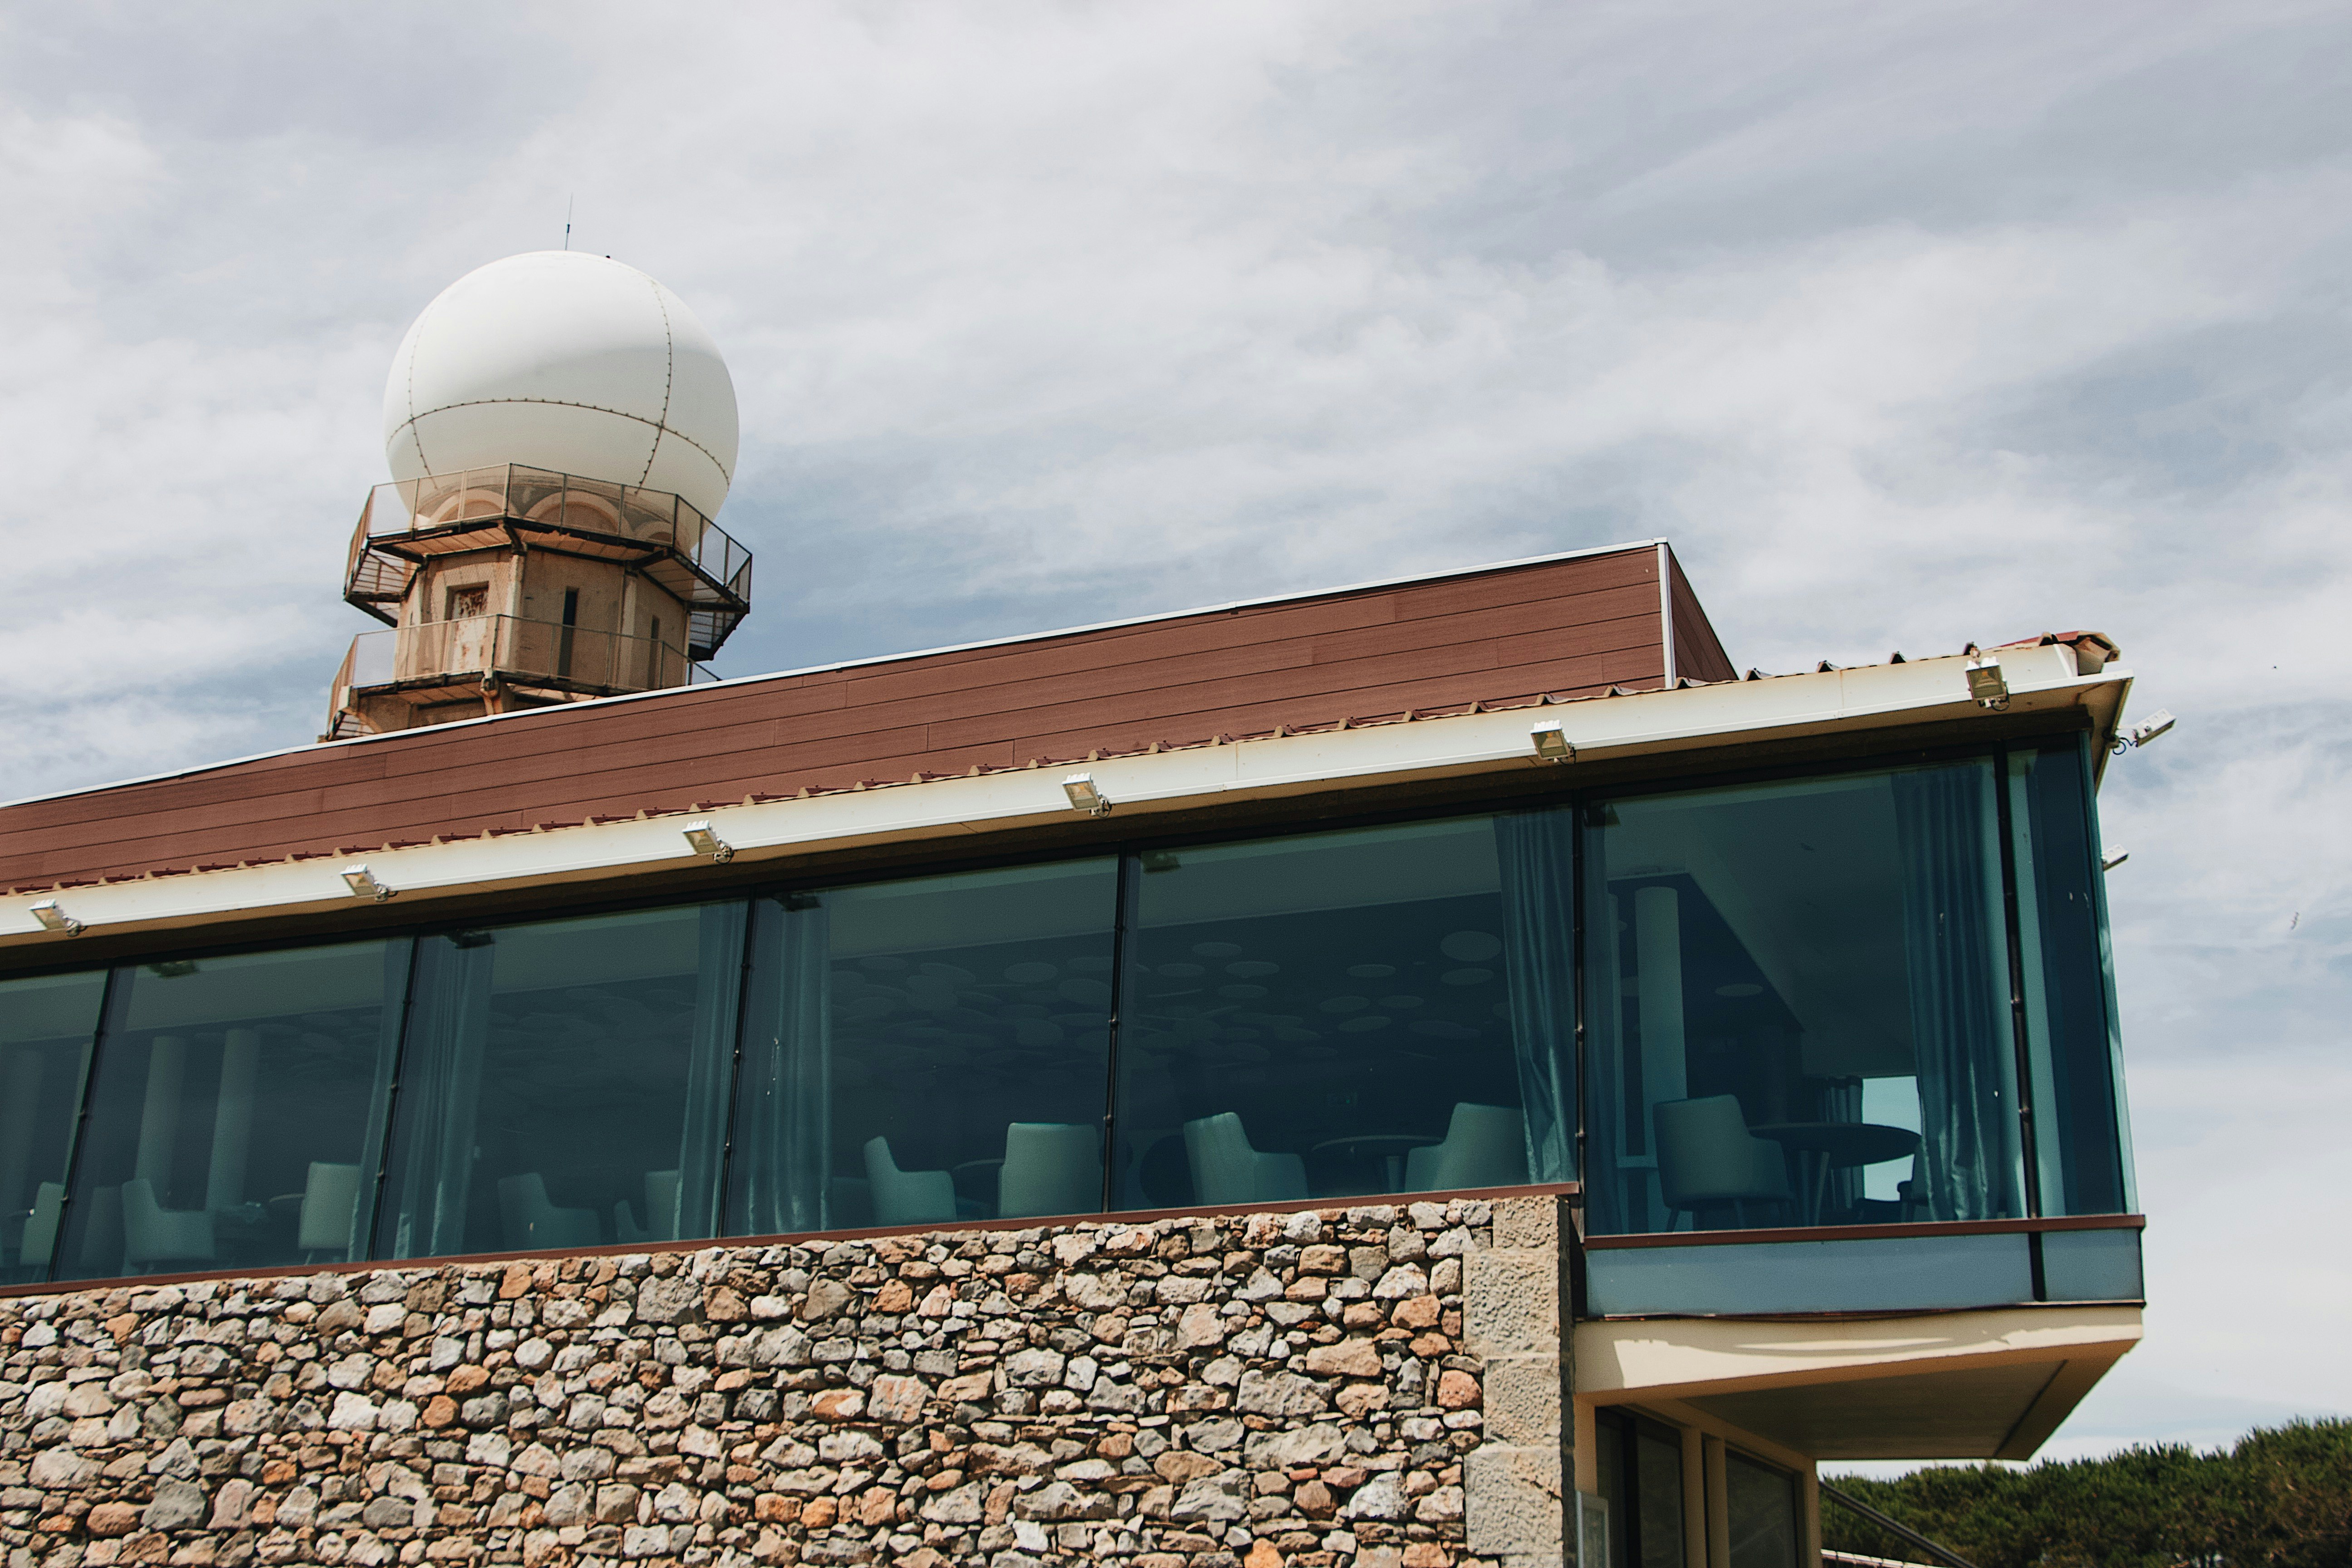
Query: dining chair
1227	1169
330	1195
154	1233
535	1224
1484	1146
39	1242
661	1211
1708	1158
1050	1168
906	1197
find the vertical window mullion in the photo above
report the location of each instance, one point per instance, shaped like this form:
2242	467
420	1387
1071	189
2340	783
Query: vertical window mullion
1122	917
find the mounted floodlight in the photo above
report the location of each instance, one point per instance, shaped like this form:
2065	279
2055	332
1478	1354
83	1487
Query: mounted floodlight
2113	858
706	842
1550	744
2158	722
1986	685
53	918
364	884
1084	797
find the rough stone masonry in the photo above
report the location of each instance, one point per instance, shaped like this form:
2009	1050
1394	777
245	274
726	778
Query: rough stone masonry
1367	1387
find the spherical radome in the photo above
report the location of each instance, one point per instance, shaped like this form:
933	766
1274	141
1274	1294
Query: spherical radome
557	359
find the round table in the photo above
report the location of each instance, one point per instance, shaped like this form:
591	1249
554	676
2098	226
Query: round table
1821	1147
1389	1147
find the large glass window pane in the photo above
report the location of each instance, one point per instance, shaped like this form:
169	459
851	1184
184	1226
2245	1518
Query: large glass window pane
46	1027
564	1084
1798	1005
1382	1010
234	1111
1763	1503
1641	1476
2081	1137
925	1050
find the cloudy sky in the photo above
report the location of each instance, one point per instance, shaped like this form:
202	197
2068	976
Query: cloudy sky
1908	325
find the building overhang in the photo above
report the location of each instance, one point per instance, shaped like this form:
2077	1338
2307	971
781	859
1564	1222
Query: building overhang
1693	721
1990	1385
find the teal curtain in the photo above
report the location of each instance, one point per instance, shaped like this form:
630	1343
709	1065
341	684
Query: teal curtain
440	1092
710	1072
783	1142
1537	855
1954	943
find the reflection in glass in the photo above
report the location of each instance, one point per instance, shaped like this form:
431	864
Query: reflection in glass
1763	1503
922	1050
230	1115
2082	1143
1641	1476
1798	1005
46	1028
1377	1011
564	1084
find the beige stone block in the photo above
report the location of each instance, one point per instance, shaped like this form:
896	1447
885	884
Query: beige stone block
1523	1400
1511	1500
1528	1222
1511	1302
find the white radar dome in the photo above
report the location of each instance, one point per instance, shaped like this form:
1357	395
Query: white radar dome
561	360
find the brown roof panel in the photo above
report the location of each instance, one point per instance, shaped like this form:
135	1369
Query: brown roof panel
1567	626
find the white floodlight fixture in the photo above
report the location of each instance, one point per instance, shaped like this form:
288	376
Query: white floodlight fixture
706	842
1986	685
1550	744
2113	858
53	918
2158	723
1085	795
364	884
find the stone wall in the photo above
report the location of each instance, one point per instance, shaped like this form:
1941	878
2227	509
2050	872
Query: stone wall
1310	1389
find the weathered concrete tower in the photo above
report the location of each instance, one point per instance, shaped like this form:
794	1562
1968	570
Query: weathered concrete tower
561	431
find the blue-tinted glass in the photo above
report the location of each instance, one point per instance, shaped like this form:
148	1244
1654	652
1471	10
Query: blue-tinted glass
232	1111
2091	1266
1379	1011
1797	1005
46	1027
1883	1274
1640	1470
922	1050
2082	1146
1762	1505
564	1084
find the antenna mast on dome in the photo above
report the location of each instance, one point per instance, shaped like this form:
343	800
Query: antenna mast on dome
560	430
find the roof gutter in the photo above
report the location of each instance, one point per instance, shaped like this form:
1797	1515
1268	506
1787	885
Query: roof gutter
1691	719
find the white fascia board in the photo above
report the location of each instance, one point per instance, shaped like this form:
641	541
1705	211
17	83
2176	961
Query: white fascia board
426	877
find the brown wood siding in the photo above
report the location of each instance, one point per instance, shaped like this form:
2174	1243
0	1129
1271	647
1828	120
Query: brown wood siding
1698	652
1571	628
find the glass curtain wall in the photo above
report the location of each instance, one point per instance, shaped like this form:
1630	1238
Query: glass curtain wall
1803	1004
565	1084
1382	1010
1798	1005
231	1120
46	1028
922	1051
